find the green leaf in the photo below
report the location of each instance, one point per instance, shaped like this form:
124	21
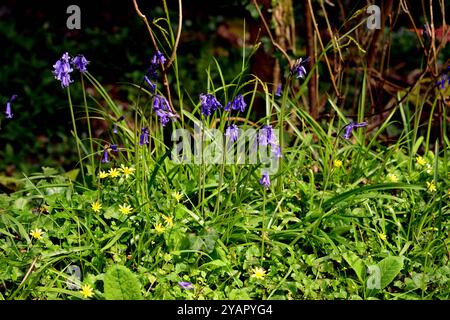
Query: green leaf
356	264
121	284
390	267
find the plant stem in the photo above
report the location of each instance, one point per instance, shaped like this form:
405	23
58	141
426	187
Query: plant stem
89	129
76	134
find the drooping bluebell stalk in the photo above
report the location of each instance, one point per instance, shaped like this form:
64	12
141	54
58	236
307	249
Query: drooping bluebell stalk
232	132
209	104
265	180
349	128
8	111
80	63
62	70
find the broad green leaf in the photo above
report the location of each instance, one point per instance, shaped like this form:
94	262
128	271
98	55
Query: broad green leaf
356	264
121	284
390	267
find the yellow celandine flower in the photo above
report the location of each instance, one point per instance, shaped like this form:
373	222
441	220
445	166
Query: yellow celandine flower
96	206
125	208
159	228
259	273
178	196
102	174
127	171
113	172
86	291
382	236
391	177
421	161
36	233
168	220
337	163
431	186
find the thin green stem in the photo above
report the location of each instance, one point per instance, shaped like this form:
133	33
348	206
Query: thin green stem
89	129
76	135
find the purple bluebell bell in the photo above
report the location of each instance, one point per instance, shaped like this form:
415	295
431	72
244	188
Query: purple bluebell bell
352	125
266	136
122	117
8	111
276	150
186	285
237	104
80	63
143	139
62	70
151	84
105	156
299	68
162	109
114	148
265	180
158	57
209	104
232	132
278	92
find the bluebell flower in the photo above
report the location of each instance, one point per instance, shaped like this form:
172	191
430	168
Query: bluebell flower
276	149
8	111
122	117
237	104
80	63
62	70
352	125
158	57
278	92
266	136
299	68
143	139
114	148
162	109
186	285
105	156
265	180
209	104
151	84
232	132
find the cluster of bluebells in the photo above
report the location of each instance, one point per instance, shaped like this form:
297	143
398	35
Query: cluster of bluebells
152	72
63	68
162	109
8	111
237	104
209	104
349	128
